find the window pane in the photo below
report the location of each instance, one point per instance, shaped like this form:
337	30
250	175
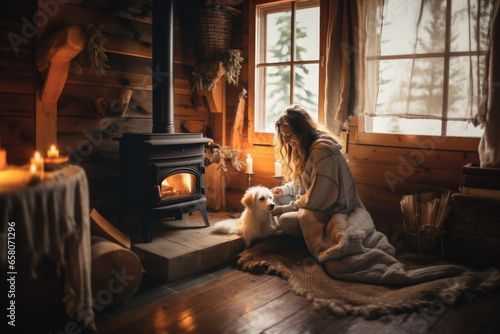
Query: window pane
461	20
463	129
276	42
306	87
426	85
464	93
393	89
273	95
402	16
431	127
307	33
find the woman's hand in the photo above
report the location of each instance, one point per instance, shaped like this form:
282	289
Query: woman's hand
277	192
278	210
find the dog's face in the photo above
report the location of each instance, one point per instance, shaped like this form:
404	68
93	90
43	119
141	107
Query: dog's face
258	198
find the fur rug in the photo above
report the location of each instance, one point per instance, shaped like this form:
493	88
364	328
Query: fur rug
290	258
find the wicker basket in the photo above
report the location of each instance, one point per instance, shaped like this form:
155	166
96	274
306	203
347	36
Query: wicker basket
426	240
210	30
474	231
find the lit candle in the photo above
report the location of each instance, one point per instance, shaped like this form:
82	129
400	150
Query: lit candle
53	152
3	159
37	165
249	164
277	168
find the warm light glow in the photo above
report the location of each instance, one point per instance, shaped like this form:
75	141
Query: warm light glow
188	181
37	163
37	156
53	152
3	159
277	168
249	163
160	322
176	185
187	321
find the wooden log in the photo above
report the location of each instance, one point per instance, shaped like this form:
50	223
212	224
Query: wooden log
101	227
107	260
239	115
120	104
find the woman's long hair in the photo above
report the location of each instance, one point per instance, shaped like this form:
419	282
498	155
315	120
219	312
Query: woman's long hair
298	119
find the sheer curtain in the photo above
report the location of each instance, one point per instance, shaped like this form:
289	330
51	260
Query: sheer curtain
413	59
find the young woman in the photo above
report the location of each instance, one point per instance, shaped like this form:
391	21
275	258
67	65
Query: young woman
320	177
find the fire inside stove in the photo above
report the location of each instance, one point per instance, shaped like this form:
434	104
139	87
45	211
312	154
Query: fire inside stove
178	185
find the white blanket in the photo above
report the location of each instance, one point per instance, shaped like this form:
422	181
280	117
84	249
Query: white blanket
351	249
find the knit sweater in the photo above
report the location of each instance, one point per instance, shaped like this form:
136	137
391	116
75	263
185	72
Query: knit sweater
326	184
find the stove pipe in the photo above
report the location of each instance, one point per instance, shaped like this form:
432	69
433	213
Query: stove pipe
163	66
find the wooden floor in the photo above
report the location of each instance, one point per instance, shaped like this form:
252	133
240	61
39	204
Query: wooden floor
241	302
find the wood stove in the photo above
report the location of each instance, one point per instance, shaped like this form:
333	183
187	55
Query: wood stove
162	173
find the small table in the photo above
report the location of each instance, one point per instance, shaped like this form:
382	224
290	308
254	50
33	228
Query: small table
50	218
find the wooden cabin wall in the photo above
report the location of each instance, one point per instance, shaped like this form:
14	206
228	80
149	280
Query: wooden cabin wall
129	49
17	94
87	138
384	168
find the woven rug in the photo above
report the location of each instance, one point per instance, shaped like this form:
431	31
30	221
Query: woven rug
289	258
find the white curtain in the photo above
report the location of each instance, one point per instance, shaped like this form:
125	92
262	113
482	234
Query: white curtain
387	57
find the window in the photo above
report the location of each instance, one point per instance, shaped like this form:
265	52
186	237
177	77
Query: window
287	60
429	77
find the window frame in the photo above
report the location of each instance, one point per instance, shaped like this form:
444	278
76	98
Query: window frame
446	55
263	138
449	143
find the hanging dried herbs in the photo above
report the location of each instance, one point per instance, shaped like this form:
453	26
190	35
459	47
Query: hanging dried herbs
206	73
93	55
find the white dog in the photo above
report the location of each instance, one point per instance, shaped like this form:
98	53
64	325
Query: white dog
256	221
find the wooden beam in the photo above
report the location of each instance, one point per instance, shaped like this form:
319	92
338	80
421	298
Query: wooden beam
45	125
53	59
216	98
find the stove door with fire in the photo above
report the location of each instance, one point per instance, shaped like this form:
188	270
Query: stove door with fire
178	181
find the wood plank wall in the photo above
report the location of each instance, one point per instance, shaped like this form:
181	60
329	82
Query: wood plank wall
88	139
384	167
129	50
17	107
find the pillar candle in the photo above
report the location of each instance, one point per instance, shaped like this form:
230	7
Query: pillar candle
3	159
277	168
53	152
249	164
36	166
